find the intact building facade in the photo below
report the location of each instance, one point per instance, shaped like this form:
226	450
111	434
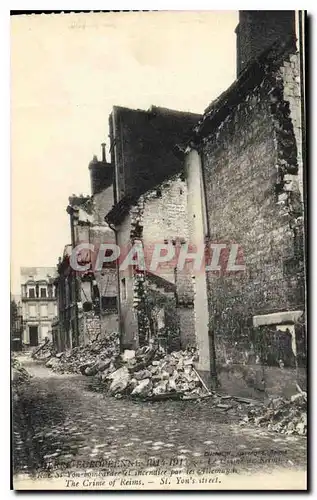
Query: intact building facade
39	305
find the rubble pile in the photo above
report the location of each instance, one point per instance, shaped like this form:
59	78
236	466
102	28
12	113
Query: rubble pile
44	351
19	374
287	416
87	359
150	373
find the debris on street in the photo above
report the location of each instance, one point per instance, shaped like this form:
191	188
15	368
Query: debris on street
148	372
18	373
87	359
151	374
287	416
44	351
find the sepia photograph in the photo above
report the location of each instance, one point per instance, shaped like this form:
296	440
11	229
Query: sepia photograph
158	300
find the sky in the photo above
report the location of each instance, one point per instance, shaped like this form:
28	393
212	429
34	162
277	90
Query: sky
67	71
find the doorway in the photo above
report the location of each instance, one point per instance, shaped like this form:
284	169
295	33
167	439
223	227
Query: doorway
34	337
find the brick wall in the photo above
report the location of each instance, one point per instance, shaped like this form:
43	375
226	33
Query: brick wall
160	216
90	327
164	219
90	227
164	215
252	167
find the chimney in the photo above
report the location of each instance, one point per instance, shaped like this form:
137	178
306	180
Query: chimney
101	172
258	30
103	149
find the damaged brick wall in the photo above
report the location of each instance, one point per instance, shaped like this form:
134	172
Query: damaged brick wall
159	216
165	220
251	167
89	326
290	74
164	213
109	322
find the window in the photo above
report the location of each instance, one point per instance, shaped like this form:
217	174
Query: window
32	293
43	311
43	293
108	303
123	289
32	311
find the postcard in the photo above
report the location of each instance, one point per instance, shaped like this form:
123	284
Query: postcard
158	268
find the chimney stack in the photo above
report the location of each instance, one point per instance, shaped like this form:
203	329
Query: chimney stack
101	172
103	149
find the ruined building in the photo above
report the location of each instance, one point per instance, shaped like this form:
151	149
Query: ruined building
248	152
39	308
151	207
87	302
236	178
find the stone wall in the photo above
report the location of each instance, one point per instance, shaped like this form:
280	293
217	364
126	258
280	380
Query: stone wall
160	216
90	327
164	214
252	168
165	220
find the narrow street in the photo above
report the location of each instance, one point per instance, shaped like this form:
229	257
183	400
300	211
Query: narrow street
59	422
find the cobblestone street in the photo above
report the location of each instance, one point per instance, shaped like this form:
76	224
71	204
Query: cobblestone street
59	422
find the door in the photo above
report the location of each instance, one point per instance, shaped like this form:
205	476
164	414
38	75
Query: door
34	337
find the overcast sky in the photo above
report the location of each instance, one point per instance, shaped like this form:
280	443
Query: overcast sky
67	73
